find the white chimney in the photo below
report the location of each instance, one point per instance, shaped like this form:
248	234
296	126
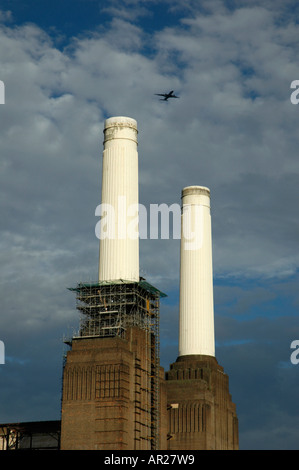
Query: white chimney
119	245
196	329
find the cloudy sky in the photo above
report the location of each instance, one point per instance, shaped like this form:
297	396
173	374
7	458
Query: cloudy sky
69	65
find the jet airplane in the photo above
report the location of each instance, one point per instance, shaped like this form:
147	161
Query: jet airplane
166	95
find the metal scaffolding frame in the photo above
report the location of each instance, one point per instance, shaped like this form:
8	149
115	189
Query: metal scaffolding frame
107	310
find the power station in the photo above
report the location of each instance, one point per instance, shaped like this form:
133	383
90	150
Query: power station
115	394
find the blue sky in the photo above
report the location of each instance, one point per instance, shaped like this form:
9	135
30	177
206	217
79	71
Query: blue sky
69	65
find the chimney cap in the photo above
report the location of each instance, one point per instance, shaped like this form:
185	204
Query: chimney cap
195	190
120	121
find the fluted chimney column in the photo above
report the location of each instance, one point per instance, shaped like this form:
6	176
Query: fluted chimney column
119	238
196	329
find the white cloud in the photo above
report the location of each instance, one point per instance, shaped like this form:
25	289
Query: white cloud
244	149
215	135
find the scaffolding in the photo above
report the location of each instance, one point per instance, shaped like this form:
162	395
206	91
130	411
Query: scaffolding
108	309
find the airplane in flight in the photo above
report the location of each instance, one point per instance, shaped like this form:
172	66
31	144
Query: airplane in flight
166	95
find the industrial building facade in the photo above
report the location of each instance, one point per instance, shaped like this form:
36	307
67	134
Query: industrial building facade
111	384
113	399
